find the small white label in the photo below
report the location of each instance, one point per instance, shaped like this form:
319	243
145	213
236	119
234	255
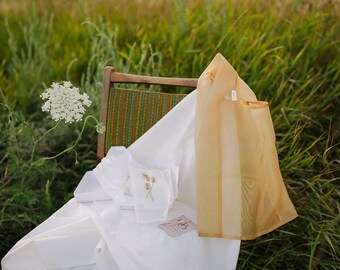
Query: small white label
178	226
233	95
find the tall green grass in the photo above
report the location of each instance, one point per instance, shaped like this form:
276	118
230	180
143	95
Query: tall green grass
287	51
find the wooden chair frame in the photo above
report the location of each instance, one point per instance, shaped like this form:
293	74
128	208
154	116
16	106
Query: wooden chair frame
111	77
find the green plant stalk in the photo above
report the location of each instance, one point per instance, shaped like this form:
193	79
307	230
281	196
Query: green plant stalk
72	146
33	151
42	137
42	160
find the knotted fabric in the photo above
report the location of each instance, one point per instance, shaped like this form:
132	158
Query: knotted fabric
240	190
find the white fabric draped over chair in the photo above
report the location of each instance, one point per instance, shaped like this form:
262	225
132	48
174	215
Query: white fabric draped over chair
98	230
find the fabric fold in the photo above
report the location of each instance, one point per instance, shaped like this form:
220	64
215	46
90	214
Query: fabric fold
240	190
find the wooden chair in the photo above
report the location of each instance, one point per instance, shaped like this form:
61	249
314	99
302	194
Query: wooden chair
127	113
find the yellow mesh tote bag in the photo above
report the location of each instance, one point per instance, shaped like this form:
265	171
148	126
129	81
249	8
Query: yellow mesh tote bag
240	190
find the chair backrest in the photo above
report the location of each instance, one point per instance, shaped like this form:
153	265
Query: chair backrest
127	114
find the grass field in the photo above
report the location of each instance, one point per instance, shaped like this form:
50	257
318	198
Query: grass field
286	50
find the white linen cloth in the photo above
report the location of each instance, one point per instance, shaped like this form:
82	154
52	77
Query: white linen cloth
94	231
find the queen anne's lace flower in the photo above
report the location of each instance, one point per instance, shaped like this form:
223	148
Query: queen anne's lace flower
64	102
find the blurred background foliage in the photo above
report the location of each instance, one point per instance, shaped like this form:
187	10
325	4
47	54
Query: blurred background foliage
286	50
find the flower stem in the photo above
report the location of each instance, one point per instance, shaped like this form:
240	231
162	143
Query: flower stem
31	163
72	146
38	140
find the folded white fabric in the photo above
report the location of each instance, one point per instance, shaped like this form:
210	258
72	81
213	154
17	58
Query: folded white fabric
107	180
120	178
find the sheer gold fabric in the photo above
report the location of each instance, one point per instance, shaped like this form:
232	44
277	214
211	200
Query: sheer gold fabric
240	191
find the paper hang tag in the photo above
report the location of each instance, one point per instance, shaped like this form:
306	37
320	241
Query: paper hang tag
233	95
178	226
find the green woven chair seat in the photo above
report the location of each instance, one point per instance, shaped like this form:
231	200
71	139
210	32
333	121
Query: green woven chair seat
132	112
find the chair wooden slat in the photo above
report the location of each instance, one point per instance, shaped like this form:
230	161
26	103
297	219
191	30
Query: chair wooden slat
130	78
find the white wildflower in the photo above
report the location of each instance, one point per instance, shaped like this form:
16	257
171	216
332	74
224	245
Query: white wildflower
64	102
